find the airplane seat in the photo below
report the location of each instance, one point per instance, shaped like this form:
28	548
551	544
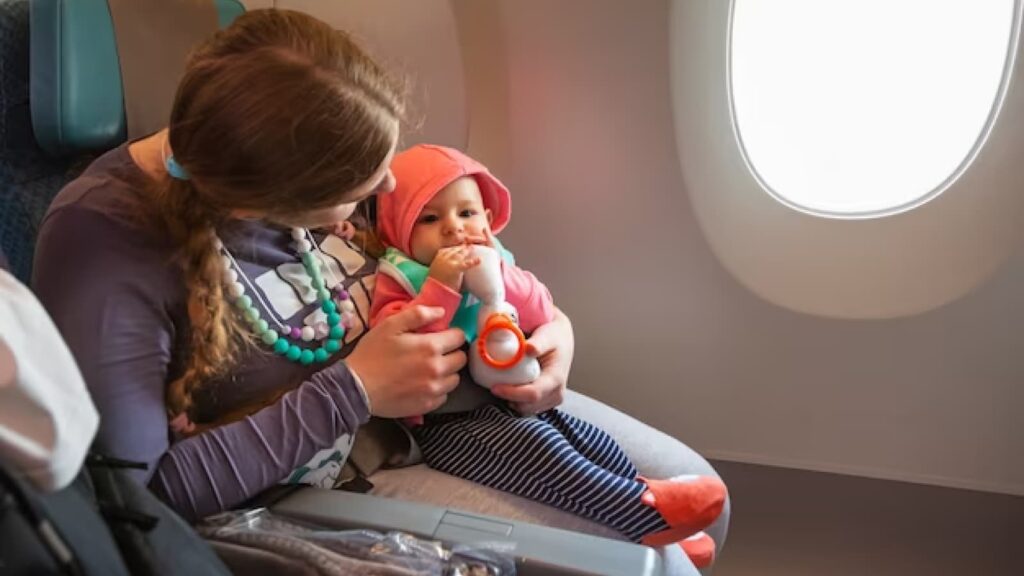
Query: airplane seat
85	100
62	103
29	177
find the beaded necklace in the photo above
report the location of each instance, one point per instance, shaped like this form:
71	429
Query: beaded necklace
285	340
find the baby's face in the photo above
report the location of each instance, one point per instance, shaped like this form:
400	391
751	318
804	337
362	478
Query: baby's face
453	216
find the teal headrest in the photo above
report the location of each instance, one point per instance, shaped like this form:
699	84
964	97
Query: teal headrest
76	91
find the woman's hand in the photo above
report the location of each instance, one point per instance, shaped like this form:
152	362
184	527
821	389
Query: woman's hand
552	344
405	373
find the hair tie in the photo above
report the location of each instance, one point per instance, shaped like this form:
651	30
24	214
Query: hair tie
174	170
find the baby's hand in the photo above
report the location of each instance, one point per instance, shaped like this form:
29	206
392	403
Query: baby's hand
450	264
487	239
344	230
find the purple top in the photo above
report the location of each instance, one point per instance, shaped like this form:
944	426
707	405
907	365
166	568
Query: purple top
109	284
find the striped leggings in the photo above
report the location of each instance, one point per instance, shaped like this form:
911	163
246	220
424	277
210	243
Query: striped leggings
552	458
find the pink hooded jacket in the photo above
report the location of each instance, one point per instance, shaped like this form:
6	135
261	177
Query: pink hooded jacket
421	172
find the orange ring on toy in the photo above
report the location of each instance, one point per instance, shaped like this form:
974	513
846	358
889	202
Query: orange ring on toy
494	322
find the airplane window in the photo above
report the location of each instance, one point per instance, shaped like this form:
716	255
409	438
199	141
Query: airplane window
861	108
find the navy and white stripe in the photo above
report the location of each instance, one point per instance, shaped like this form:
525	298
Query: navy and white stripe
553	458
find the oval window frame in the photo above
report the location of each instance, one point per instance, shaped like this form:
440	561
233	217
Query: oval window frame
852	268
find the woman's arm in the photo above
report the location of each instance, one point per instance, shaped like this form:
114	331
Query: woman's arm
102	289
224	466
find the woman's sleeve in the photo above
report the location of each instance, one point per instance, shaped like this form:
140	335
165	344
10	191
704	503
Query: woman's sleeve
225	466
103	291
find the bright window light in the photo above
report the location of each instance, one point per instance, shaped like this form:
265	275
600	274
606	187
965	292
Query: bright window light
857	108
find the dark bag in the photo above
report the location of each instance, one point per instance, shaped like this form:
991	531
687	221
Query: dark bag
104	523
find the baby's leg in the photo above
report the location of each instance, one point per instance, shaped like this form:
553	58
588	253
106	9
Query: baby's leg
592	442
601	449
530	458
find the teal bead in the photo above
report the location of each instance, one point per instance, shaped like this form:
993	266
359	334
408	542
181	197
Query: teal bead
306	357
333	319
270	338
321	355
329	306
317	282
293	353
323	294
332	346
252	314
244	302
337	332
281	346
309	260
260	326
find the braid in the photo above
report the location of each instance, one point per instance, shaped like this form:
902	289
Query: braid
278	114
215	331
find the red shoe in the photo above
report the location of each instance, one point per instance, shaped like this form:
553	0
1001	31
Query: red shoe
688	504
700	549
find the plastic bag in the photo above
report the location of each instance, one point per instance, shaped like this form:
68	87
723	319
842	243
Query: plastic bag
357	551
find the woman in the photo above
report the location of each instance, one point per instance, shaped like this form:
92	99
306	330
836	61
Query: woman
280	124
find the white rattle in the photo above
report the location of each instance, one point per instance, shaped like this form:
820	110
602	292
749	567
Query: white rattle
498	355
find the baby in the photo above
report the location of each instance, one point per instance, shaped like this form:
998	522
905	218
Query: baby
444	207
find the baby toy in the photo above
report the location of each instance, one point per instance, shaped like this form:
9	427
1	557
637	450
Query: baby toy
498	355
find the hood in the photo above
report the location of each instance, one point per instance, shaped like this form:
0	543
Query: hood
420	173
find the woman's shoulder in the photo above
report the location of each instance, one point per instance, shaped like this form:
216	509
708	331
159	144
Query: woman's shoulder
110	187
99	218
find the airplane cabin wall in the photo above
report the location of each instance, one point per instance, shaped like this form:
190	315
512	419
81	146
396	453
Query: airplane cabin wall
569	103
584	138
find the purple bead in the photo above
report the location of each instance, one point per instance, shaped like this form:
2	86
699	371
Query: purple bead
296	332
342	293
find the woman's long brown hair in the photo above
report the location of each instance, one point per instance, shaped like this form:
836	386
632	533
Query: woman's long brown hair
278	113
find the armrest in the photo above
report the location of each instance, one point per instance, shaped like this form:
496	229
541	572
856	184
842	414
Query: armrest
539	550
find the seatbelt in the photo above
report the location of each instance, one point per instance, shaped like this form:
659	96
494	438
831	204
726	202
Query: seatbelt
153	39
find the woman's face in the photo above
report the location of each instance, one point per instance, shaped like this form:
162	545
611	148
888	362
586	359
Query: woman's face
381	182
